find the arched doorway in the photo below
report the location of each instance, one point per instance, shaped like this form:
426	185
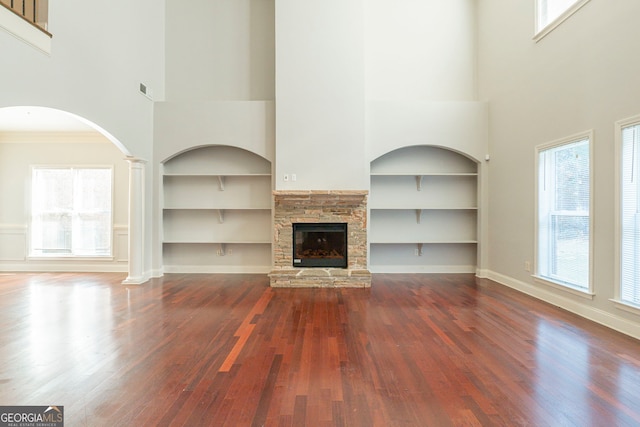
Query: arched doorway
35	141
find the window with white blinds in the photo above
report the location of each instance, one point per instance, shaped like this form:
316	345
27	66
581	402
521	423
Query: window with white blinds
563	223
71	211
630	215
551	13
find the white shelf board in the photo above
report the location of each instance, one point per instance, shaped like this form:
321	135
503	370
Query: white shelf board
424	242
218	242
424	174
424	208
213	175
217	208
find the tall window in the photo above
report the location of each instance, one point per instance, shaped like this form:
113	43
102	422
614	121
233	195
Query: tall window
563	213
630	216
550	13
71	211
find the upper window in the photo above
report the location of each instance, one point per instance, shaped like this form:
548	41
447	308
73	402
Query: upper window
71	211
563	223
551	13
630	214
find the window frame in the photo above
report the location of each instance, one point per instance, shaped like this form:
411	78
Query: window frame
71	257
618	170
582	292
539	32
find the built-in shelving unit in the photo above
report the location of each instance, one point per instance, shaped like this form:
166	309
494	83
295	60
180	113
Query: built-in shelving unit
423	211
217	211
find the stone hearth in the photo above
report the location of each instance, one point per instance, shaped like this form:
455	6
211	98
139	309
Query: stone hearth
337	206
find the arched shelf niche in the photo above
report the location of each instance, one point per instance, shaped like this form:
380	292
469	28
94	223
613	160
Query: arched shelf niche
216	212
423	211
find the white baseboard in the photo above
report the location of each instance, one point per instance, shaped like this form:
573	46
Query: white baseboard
605	318
159	272
482	273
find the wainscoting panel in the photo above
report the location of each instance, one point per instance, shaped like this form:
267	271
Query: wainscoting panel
14	253
13	242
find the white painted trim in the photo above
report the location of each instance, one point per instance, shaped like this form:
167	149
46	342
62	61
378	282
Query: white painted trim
540	34
623	305
482	273
61	263
138	280
589	135
619	125
157	272
120	233
14	230
564	288
442	269
22	30
609	320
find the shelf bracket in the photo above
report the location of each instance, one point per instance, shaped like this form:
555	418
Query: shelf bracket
221	216
221	250
419	249
419	182
221	182
418	215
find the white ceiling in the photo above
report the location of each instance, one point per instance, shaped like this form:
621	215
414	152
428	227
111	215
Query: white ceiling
40	119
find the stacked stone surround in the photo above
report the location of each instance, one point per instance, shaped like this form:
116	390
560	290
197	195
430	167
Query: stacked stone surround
313	207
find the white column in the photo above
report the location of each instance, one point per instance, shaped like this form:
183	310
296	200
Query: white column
136	222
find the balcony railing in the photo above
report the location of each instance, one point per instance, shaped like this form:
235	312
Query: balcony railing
34	11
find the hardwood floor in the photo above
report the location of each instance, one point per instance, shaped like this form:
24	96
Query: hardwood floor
227	350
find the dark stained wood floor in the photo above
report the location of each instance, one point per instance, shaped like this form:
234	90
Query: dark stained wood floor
227	350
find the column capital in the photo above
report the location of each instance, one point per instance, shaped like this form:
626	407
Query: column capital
134	160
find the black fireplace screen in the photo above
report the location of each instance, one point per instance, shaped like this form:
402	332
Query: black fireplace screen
320	245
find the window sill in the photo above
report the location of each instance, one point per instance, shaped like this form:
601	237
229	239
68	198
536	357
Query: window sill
626	306
574	291
24	30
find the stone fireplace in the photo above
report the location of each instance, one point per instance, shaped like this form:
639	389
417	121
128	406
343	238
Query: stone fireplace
325	208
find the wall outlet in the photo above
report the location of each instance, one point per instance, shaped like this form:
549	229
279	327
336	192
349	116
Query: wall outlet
294	178
527	266
285	178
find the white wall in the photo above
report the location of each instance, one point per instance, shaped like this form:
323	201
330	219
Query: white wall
180	126
581	76
420	50
421	77
320	92
100	53
220	50
16	159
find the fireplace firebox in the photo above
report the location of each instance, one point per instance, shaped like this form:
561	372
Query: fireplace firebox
320	245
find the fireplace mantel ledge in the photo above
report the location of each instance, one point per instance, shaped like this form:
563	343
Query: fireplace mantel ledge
321	197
